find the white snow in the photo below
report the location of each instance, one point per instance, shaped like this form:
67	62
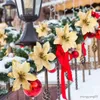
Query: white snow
89	90
8	59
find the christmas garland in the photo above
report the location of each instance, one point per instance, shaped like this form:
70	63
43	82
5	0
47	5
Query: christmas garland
60	41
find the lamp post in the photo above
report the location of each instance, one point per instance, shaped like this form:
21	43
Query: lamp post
28	11
9	9
1	13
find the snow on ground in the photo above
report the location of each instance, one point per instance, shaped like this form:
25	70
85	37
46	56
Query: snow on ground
89	90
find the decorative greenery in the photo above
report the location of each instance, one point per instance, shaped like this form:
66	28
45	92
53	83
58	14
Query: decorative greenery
12	35
3	91
20	52
4	77
8	64
2	53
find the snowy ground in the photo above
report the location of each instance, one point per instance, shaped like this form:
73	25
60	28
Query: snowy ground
90	90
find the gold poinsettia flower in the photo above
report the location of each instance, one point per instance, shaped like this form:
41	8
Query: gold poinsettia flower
2	38
86	22
42	30
41	56
21	75
65	38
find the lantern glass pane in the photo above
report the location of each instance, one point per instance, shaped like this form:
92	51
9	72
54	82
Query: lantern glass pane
28	7
8	11
37	7
19	6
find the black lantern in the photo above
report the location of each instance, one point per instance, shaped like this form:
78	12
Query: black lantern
9	9
28	11
1	14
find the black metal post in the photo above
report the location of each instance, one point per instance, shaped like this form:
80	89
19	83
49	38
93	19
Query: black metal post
46	94
69	92
58	82
89	63
69	95
94	49
84	65
76	78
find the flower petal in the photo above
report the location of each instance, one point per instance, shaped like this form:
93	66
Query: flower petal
66	29
16	85
65	46
46	47
30	77
32	56
25	67
59	31
51	56
37	48
26	85
58	41
47	65
10	75
39	64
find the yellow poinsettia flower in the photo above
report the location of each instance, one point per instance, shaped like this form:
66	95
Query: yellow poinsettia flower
41	56
65	38
21	75
42	30
2	38
86	22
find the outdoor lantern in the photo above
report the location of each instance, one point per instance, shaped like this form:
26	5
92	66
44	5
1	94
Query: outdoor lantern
9	10
28	11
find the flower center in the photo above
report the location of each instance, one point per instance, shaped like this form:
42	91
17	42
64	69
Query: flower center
1	35
21	76
86	22
65	38
42	56
43	29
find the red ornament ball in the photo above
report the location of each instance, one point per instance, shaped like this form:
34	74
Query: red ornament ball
53	70
93	13
75	54
35	89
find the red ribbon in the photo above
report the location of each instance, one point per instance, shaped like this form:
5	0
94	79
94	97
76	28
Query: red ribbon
63	58
83	49
89	35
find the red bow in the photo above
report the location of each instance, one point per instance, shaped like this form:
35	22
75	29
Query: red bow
89	35
63	59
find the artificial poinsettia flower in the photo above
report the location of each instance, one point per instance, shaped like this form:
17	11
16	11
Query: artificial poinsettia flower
21	75
41	56
2	38
65	38
86	22
42	30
